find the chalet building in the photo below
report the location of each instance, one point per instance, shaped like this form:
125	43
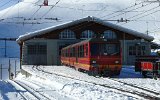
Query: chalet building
43	47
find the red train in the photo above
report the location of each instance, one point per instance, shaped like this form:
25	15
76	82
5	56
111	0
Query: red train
148	65
94	56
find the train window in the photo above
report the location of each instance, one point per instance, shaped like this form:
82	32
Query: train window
87	34
94	49
86	49
71	52
78	51
108	34
82	55
74	52
67	34
81	51
104	49
110	49
66	52
63	53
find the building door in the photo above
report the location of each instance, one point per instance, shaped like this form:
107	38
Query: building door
134	50
37	54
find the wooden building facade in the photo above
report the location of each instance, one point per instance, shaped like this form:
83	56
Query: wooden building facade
43	47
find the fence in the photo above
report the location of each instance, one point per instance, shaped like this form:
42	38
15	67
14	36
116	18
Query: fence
9	67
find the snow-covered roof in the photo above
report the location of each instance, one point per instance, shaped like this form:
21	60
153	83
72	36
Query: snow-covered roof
89	18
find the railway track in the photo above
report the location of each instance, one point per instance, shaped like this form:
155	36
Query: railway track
35	93
135	86
21	94
135	92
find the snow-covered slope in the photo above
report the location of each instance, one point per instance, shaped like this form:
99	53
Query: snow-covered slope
28	16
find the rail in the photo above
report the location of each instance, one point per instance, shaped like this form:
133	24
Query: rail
135	92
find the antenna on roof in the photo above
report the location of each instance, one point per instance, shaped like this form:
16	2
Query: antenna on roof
147	28
45	2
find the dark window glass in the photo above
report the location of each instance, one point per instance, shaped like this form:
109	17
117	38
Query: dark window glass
67	34
37	49
87	34
86	49
110	34
104	49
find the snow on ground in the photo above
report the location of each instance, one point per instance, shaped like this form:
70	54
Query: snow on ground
11	91
127	75
136	79
60	82
80	90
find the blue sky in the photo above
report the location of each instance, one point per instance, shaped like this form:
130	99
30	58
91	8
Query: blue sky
7	3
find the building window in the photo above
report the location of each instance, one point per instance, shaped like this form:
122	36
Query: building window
87	34
132	50
109	34
67	34
37	49
137	50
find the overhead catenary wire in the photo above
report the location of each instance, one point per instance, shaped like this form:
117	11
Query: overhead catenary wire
8	10
115	12
51	8
154	30
5	3
45	13
145	15
35	12
72	8
144	12
129	11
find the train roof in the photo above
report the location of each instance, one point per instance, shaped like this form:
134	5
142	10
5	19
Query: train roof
92	40
89	19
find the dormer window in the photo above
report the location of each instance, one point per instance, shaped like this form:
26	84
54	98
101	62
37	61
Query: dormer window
87	34
108	34
67	34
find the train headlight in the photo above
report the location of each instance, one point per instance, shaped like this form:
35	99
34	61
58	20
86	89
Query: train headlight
116	62
94	62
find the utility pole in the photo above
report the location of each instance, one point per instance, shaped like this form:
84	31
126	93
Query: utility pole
147	28
15	68
9	69
1	71
5	44
5	54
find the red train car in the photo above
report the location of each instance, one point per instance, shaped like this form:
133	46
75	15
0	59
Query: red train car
95	56
148	65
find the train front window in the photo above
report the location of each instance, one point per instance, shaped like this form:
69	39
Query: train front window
104	49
